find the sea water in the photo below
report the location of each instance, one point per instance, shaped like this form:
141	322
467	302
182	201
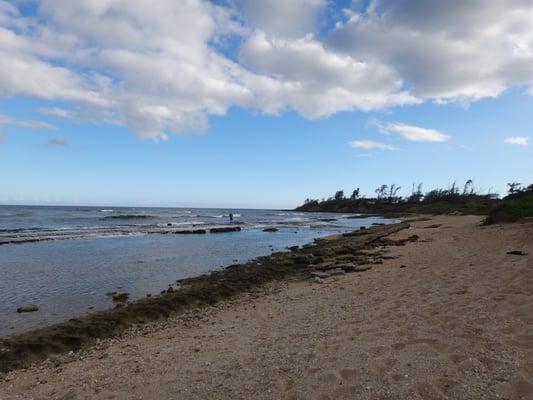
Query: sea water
65	259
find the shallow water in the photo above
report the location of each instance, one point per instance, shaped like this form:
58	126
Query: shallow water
70	274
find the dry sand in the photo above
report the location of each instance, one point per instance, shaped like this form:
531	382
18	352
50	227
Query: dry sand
456	322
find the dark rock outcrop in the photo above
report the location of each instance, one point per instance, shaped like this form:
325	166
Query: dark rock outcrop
225	229
120	297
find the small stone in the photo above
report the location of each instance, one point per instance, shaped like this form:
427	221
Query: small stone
518	253
320	274
28	308
346	267
403	266
336	271
434	226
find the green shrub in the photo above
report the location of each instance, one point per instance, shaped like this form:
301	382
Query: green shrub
512	210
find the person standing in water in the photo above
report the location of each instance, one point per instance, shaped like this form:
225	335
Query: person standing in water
230	217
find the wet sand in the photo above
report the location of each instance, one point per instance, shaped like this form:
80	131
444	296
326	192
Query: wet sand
449	316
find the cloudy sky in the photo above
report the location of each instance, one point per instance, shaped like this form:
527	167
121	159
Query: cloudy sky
260	103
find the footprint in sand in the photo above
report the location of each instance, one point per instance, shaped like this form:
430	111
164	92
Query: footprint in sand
492	364
427	341
340	376
397	377
428	392
446	385
523	341
342	384
287	384
457	358
516	390
346	392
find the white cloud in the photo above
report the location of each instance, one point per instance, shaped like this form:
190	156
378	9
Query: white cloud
164	67
519	140
24	123
458	51
370	145
317	82
414	133
56	112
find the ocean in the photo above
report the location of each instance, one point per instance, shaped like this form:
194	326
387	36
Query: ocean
65	259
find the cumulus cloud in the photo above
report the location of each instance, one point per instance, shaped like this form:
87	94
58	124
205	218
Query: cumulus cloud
164	67
445	51
318	82
519	140
414	133
371	145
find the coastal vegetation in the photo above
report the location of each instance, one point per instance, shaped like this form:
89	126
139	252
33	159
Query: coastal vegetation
514	207
463	199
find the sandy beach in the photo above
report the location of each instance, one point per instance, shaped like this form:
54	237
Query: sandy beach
449	316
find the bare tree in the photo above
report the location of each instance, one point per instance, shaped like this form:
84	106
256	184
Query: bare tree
393	191
468	188
514	187
355	194
381	191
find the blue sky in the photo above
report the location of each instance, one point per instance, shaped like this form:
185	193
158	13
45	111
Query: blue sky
251	112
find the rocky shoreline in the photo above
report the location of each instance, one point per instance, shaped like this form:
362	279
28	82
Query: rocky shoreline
317	261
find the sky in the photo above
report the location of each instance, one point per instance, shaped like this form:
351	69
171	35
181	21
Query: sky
249	103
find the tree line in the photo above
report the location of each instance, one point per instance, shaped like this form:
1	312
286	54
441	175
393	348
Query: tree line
389	194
